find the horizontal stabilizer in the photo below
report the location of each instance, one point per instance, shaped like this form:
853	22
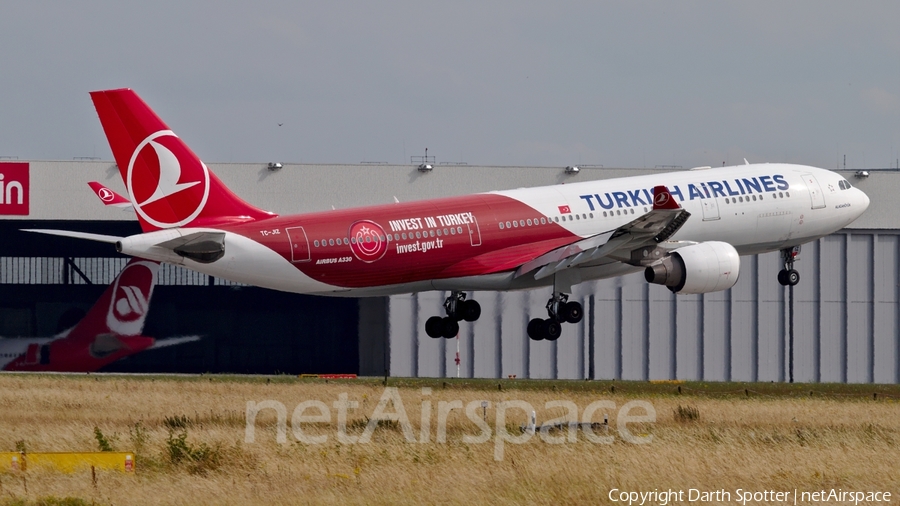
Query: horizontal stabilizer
173	341
111	239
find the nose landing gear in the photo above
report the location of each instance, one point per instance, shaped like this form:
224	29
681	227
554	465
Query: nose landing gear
560	311
789	276
458	309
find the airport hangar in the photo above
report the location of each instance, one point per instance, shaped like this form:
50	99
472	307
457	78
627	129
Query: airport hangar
846	323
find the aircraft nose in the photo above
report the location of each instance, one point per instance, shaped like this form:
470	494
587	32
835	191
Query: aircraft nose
863	200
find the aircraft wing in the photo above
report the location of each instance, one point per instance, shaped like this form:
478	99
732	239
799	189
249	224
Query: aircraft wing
654	227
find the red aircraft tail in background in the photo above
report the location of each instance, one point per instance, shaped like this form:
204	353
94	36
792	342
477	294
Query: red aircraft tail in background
110	330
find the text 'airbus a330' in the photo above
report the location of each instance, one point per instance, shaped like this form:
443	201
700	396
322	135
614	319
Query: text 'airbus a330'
685	229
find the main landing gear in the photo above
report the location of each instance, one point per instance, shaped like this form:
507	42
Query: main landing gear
560	311
458	309
788	276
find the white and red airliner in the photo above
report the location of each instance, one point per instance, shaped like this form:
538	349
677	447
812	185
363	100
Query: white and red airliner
685	229
109	331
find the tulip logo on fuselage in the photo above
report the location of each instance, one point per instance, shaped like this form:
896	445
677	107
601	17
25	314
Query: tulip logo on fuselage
368	241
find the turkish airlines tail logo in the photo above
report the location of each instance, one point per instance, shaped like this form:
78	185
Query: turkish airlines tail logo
169	174
662	199
168	184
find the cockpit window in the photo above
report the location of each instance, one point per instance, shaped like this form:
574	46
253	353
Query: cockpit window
844	184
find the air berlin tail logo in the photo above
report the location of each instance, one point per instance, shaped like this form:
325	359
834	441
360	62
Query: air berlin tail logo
131	298
167	183
368	241
132	305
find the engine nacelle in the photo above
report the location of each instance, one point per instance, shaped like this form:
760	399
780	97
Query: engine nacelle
699	268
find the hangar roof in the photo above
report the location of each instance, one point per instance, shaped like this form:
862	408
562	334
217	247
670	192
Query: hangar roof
59	189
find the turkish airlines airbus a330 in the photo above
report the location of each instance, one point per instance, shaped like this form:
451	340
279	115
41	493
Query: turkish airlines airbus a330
685	229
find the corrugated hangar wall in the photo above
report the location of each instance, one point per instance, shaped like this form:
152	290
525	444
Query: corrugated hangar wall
845	325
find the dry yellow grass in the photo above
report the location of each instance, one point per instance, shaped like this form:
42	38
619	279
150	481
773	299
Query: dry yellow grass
755	443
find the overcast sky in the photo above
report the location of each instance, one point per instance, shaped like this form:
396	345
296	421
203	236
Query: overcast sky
619	84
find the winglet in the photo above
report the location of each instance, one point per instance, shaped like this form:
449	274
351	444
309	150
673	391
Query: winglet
662	199
109	197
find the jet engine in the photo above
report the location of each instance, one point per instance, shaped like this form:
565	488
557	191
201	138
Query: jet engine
699	268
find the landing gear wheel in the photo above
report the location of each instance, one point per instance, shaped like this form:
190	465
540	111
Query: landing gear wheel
788	277
536	329
572	312
449	327
471	310
433	327
793	277
552	330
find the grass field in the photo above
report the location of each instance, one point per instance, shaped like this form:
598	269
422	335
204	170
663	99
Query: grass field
189	437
